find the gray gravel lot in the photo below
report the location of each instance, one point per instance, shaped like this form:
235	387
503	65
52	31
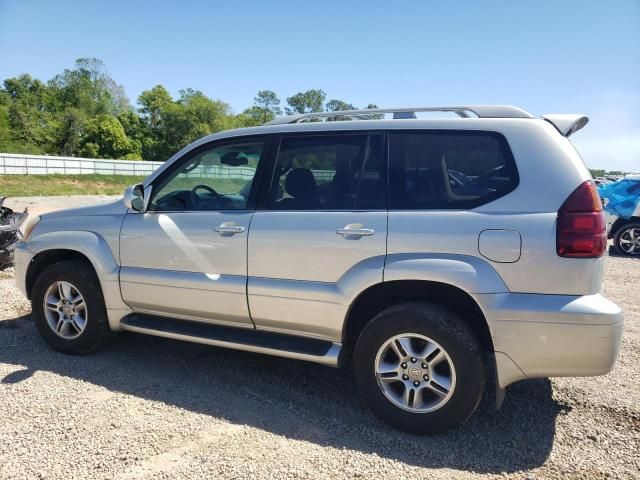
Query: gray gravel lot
153	408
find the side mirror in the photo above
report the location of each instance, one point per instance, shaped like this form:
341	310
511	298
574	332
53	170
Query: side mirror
134	197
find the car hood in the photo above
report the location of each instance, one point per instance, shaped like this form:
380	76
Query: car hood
115	207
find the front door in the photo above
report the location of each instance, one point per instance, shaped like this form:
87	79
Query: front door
321	231
186	256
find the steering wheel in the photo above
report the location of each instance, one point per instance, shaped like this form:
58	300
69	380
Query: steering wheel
196	199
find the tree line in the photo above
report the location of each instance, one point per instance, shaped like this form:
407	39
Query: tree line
84	112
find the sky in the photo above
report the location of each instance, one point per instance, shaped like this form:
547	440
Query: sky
545	56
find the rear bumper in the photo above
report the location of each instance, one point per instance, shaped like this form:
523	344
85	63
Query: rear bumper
552	335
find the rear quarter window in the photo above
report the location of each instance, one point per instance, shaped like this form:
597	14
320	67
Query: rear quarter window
448	169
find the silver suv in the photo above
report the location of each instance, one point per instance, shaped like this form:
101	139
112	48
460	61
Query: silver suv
428	253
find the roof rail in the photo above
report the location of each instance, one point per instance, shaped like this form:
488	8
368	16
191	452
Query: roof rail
482	111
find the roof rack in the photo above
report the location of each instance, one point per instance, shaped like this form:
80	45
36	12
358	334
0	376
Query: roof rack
481	111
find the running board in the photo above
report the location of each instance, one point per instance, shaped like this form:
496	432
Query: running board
247	339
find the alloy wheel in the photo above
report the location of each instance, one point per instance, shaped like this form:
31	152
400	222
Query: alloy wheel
629	241
65	310
415	373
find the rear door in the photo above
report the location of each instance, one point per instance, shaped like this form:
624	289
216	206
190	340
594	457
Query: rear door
187	255
323	221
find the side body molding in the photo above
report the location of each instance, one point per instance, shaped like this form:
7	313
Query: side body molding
96	249
471	274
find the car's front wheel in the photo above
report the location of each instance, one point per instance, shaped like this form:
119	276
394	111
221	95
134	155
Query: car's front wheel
419	367
627	239
68	308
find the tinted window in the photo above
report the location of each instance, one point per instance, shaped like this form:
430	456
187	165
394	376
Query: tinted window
328	172
439	170
217	178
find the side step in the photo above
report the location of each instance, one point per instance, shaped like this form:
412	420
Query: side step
247	339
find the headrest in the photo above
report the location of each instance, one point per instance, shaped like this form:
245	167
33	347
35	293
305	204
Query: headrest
300	183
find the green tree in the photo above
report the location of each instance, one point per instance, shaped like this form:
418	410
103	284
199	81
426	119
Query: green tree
252	117
84	111
133	126
172	124
90	150
70	131
266	106
153	103
52	117
204	114
6	143
107	133
306	102
338	105
30	123
87	87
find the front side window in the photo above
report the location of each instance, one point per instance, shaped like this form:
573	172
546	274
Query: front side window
216	178
329	172
448	170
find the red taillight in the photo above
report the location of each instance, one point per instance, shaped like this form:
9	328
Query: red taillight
581	231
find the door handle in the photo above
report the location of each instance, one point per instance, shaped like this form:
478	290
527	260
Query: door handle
229	228
355	230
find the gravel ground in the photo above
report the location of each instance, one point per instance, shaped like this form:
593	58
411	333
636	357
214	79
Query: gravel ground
153	408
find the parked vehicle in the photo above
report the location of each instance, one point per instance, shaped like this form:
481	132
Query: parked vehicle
9	225
622	210
426	253
601	181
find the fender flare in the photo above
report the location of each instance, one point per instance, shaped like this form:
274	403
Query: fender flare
96	249
90	244
470	274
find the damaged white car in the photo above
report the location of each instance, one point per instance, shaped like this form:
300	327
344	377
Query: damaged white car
10	222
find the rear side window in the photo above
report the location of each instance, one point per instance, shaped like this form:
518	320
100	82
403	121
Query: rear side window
329	172
448	170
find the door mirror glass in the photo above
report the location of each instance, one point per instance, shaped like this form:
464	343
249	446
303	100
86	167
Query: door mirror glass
134	197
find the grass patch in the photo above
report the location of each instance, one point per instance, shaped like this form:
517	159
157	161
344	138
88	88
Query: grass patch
45	185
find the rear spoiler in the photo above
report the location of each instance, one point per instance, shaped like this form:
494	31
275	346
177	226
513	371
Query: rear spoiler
567	124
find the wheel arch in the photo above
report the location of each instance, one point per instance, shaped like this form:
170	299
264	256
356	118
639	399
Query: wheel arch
377	297
618	228
46	258
620	223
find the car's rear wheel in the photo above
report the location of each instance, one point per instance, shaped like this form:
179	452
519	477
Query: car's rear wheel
420	368
627	239
68	308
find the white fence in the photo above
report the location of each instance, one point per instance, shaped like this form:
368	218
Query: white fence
17	164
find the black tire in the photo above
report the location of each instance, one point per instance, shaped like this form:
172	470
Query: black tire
96	331
618	237
453	335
